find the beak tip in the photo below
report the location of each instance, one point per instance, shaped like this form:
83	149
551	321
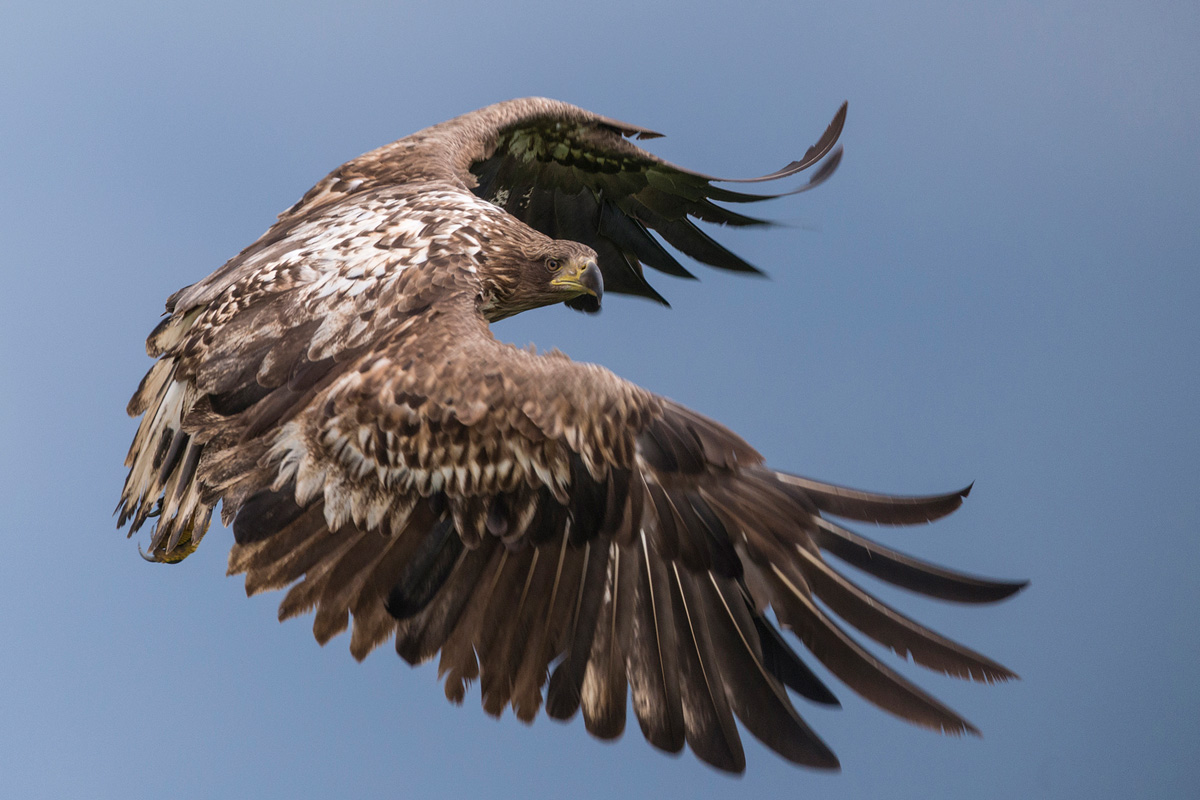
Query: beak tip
593	280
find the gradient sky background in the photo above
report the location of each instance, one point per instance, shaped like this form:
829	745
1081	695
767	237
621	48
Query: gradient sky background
999	285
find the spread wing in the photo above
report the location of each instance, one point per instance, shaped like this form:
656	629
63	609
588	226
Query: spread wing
572	174
566	538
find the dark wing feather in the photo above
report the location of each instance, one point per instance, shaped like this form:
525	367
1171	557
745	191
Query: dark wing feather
605	684
420	637
566	682
708	718
853	664
757	696
550	633
783	662
911	573
425	571
653	658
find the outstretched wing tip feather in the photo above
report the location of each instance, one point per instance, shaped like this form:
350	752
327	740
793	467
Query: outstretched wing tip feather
815	153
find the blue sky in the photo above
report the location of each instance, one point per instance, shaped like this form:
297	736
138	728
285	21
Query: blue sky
999	285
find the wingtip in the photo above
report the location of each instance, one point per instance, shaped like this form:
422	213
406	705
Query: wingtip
827	145
1002	590
827	761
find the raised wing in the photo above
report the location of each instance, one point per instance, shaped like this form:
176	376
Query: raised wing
573	174
558	533
563	170
579	179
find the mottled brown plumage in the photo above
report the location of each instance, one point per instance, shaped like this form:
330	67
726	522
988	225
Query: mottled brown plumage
555	532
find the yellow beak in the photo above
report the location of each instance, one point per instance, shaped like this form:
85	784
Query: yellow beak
583	277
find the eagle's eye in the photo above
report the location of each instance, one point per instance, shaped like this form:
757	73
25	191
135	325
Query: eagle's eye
553	264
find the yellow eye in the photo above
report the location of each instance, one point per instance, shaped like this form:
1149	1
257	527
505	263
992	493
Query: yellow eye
553	264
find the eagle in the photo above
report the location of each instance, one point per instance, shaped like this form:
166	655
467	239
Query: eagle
556	533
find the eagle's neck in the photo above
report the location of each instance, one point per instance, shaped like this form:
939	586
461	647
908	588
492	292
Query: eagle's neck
494	309
490	306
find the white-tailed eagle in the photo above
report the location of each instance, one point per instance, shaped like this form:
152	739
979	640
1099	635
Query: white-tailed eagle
557	533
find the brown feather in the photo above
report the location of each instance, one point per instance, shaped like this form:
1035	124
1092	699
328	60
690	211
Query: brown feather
653	655
502	633
566	682
755	695
459	664
894	630
604	683
708	720
420	637
856	667
548	635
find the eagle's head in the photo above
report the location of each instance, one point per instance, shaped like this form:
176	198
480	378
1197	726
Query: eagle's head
540	273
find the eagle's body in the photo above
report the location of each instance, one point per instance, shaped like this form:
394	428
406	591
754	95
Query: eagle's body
336	387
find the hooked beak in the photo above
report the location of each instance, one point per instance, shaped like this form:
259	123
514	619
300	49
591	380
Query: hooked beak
586	279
